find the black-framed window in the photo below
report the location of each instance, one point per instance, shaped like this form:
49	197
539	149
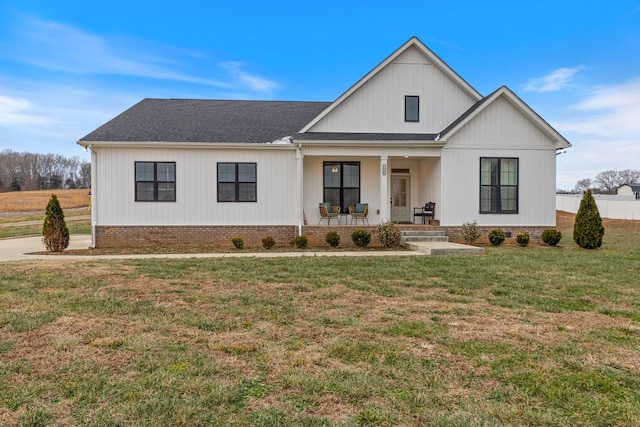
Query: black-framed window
237	182
411	108
155	181
499	185
341	184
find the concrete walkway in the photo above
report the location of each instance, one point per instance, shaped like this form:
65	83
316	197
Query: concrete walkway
20	249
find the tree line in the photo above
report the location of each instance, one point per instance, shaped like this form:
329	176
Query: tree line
35	171
607	182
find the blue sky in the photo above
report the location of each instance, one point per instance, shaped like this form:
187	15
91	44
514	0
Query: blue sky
67	67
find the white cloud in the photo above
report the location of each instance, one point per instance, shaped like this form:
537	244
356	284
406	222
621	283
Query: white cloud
554	81
60	47
15	110
244	78
605	133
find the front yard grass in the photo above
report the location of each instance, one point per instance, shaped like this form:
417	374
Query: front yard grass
522	336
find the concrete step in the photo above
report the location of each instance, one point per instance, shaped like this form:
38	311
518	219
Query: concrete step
444	248
423	236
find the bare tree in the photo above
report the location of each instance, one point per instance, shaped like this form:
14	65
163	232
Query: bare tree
583	185
608	181
629	176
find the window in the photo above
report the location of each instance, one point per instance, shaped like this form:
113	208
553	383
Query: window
411	108
498	185
155	181
341	184
237	182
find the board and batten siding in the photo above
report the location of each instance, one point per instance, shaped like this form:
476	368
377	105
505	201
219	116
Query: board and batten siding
378	106
501	130
313	185
196	188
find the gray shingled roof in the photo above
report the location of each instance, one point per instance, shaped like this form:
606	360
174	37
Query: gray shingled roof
188	120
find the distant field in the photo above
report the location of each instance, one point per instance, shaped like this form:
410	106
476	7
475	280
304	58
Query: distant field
34	201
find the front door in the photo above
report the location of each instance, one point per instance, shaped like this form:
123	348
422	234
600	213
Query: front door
400	198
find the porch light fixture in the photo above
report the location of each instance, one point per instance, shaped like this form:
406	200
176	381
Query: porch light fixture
334	169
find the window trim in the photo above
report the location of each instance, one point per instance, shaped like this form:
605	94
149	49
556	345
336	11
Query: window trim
155	181
498	186
237	182
406	109
342	188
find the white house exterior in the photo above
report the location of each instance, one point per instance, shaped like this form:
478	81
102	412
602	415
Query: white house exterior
409	132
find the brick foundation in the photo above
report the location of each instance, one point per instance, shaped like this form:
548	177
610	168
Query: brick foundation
199	235
284	235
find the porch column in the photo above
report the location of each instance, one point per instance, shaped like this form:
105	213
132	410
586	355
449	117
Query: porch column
384	189
299	196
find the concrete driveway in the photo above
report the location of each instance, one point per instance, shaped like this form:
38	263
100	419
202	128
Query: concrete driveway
19	248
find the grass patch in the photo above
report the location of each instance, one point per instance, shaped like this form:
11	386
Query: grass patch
543	336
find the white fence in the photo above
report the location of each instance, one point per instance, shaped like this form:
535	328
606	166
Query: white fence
609	206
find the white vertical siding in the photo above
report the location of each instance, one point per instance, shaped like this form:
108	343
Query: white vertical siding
196	188
461	187
378	106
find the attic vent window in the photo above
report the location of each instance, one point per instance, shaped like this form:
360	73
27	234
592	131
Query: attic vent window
411	108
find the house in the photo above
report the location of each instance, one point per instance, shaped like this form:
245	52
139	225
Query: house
631	190
408	132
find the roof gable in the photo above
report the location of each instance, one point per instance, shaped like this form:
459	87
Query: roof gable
417	51
504	93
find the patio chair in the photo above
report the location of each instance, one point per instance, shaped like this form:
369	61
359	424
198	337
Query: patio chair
359	211
327	211
428	211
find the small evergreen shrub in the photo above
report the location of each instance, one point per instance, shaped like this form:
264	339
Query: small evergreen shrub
587	229
55	233
388	233
470	231
301	242
522	238
332	238
238	242
361	238
268	242
551	236
496	237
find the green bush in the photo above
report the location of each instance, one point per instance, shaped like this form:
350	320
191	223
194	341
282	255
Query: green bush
55	233
388	233
301	242
522	238
470	231
361	238
551	236
496	237
268	242
332	238
587	229
238	242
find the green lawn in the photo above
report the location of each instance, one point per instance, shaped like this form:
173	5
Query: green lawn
520	336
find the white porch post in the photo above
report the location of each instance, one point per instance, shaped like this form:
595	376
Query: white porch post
299	198
384	189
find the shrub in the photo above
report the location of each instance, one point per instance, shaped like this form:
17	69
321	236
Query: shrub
361	238
522	238
551	236
238	242
55	233
470	231
388	233
301	242
268	242
587	229
496	237
332	238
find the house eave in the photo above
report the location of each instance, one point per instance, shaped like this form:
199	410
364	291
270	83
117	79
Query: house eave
186	145
351	143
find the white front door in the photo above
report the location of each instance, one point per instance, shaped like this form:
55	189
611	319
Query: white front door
400	198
